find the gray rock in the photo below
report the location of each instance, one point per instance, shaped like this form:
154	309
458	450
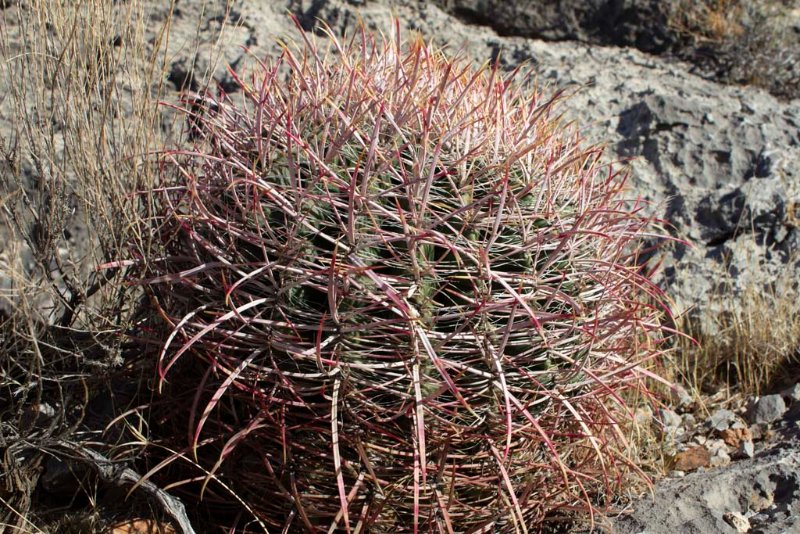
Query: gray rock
708	178
720	458
680	396
746	449
766	409
669	419
767	55
629	22
721	420
698	501
715	446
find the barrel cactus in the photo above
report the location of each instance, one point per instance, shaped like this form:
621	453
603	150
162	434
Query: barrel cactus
401	292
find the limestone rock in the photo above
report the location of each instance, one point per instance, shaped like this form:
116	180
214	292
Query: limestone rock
766	409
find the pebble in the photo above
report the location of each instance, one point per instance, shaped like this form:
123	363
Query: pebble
739	522
766	409
671	420
714	445
734	436
757	432
681	397
692	459
747	449
720	458
738	424
721	419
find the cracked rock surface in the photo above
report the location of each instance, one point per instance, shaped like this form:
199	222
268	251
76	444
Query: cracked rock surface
756	489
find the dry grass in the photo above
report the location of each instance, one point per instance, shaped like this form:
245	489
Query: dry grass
82	85
740	41
710	20
749	345
80	117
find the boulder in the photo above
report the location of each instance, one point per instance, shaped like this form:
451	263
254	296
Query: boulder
766	409
640	23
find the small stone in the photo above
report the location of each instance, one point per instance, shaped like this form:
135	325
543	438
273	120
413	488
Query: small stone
671	420
720	459
747	449
691	459
681	397
721	419
757	432
734	436
714	445
766	409
739	522
738	424
47	410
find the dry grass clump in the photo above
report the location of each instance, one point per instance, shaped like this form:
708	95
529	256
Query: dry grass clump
80	87
398	293
750	345
741	41
711	20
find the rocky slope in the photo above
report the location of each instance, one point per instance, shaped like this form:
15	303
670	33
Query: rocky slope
735	471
